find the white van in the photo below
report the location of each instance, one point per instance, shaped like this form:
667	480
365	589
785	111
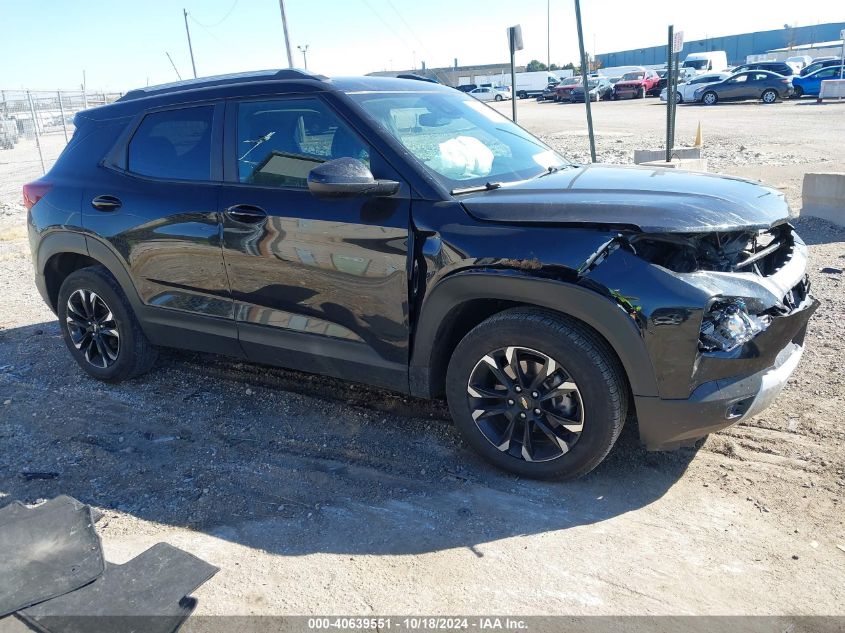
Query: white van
700	63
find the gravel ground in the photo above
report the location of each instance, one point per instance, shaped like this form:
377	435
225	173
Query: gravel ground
315	496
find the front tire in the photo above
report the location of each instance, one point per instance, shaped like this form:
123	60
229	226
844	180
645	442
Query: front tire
99	327
710	98
499	97
537	394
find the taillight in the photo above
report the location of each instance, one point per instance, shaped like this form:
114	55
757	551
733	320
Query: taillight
33	192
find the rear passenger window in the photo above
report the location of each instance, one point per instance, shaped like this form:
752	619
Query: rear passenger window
173	144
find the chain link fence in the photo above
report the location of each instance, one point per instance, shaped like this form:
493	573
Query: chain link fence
35	126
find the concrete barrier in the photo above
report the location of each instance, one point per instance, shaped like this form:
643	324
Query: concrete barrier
823	196
649	155
690	164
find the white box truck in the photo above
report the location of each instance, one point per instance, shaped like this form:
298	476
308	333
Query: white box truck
700	63
527	84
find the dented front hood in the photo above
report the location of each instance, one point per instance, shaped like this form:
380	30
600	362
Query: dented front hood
652	200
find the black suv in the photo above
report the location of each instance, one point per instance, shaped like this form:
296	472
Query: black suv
402	234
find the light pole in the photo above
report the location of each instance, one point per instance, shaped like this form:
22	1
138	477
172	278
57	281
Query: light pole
304	50
285	29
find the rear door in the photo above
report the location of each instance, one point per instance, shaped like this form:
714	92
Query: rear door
320	285
156	208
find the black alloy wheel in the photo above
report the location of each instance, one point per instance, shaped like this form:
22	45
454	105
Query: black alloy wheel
92	328
525	404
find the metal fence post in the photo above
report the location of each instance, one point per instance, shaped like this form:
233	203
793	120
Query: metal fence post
35	129
62	112
670	92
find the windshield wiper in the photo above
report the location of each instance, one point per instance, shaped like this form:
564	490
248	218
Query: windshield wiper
476	188
553	169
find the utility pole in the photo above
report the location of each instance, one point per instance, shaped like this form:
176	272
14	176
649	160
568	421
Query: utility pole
190	47
285	29
584	80
304	50
548	35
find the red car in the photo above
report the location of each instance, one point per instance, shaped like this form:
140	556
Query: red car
563	92
635	84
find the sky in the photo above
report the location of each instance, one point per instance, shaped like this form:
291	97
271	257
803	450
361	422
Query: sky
47	44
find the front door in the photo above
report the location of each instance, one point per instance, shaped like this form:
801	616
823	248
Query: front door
319	285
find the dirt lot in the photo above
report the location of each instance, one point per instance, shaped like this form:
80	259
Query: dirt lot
316	497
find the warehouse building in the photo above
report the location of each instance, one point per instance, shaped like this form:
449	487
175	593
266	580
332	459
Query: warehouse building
738	47
455	75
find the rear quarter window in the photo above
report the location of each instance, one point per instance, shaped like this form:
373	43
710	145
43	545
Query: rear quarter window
173	144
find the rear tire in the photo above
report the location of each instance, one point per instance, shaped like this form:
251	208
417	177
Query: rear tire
769	96
99	327
499	97
799	92
569	399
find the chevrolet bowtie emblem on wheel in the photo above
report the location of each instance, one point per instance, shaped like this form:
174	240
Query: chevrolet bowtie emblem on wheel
524	402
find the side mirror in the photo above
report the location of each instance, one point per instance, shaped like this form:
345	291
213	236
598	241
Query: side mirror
347	178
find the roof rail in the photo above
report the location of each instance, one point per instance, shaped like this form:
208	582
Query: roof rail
220	80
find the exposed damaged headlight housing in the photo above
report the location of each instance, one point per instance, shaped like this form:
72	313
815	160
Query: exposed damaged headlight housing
728	325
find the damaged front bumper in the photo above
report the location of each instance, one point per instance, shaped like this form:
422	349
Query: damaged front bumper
700	388
671	423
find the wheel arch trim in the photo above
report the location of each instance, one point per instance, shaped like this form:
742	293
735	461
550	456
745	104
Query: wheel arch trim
62	242
600	313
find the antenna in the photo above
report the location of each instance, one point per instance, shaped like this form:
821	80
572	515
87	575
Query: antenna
172	64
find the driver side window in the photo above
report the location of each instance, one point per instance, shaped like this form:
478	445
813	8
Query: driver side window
739	79
280	141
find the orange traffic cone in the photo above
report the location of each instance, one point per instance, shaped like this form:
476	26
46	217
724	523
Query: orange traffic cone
698	140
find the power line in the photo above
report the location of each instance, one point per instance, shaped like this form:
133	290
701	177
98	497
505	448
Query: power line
221	20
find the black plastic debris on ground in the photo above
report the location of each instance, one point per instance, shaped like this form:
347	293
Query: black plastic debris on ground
149	593
46	551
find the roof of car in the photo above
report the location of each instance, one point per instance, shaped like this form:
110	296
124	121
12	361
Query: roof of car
252	84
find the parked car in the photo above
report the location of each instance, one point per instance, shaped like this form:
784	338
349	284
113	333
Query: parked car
781	68
467	87
600	89
8	133
686	90
563	91
754	84
491	94
635	85
811	84
396	233
819	63
549	93
663	75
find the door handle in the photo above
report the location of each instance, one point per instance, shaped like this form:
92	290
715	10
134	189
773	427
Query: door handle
106	203
246	213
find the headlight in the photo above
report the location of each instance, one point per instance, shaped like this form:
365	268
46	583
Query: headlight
727	325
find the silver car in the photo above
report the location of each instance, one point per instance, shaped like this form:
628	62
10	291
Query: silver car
687	89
